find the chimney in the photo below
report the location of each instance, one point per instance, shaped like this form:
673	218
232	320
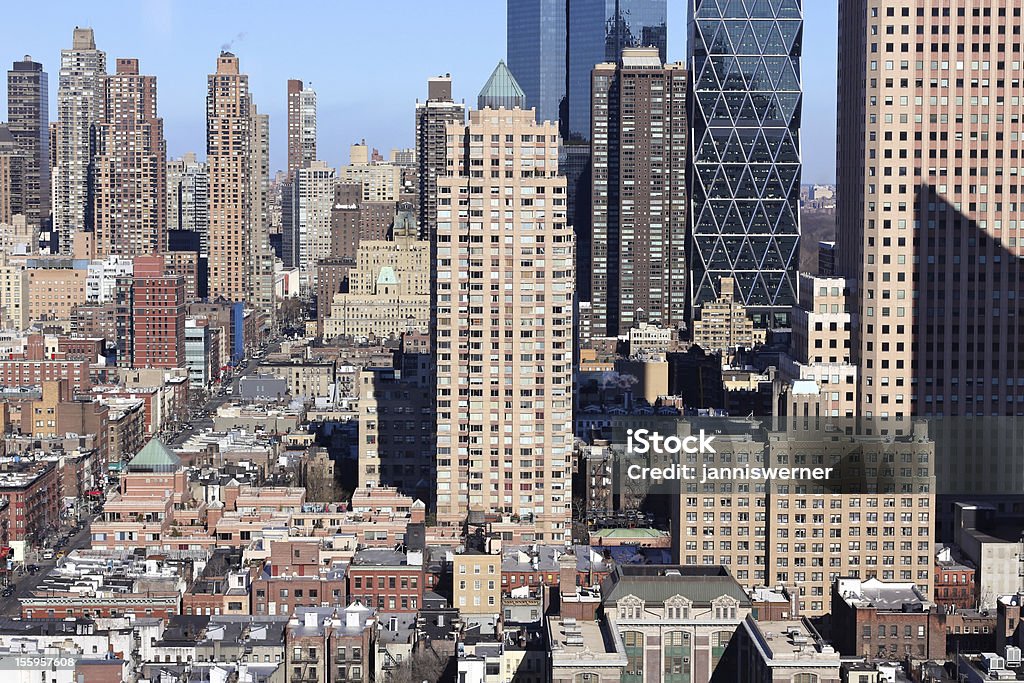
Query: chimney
567	574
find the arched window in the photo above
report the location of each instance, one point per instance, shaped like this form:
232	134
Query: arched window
634	642
676	648
805	678
719	641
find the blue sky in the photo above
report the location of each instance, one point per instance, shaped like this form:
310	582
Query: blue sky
368	61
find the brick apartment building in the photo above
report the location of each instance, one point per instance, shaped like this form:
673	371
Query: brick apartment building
159	315
294	577
387	580
32	495
885	620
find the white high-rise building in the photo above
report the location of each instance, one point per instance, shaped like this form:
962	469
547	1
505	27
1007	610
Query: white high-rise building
307	124
188	197
79	107
307	236
262	278
301	126
102	277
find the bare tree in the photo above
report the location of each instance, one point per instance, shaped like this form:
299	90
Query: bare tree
423	665
291	311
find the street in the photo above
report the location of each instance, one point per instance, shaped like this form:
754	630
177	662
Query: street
25	583
205	419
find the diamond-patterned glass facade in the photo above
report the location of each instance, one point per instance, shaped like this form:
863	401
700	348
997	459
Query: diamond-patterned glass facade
745	157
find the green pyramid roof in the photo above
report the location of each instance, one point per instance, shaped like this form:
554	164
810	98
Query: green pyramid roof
387	276
154	457
501	90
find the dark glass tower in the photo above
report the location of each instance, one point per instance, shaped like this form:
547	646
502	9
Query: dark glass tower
597	32
28	114
536	53
745	155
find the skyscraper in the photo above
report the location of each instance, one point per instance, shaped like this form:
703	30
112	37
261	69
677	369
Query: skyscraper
129	174
28	119
307	238
638	193
745	171
432	119
502	325
535	46
301	125
597	31
10	176
261	280
228	137
79	108
188	198
929	222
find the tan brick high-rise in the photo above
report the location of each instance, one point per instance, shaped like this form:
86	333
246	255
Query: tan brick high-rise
80	95
228	139
129	172
803	533
929	212
502	292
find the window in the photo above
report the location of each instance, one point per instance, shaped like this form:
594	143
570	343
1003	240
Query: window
677	657
634	642
719	641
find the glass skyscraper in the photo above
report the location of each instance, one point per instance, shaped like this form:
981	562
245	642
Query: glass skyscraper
553	45
536	53
597	32
745	171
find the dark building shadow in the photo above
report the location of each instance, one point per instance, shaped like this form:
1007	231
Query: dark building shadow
967	342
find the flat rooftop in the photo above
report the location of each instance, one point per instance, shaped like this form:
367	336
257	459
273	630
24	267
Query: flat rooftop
576	636
588	643
790	642
882	595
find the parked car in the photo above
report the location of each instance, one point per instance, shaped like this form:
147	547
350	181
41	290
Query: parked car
8	592
48	554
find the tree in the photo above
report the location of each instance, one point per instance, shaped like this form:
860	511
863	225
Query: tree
423	665
291	312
